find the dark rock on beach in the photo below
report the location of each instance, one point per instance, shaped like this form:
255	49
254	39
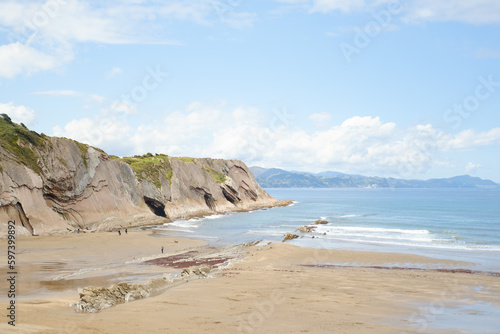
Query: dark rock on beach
290	236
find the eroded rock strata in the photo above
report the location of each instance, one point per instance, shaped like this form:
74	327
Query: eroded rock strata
54	185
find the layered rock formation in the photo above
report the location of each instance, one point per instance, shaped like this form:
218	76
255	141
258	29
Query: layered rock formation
53	185
95	299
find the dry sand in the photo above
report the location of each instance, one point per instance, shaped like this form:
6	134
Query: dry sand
271	288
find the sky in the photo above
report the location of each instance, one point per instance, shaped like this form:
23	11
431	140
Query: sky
406	89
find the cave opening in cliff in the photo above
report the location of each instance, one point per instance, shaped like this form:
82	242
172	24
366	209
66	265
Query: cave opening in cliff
157	207
210	201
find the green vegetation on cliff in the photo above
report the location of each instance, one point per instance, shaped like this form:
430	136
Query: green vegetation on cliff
216	176
150	167
186	159
153	168
84	149
21	142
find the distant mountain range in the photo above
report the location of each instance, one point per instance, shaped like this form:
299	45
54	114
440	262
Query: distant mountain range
279	178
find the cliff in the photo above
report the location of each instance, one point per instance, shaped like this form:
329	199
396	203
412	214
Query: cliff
54	185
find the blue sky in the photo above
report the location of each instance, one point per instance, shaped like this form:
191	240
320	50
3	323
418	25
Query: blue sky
390	88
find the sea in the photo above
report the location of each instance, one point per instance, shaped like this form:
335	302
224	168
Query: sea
456	224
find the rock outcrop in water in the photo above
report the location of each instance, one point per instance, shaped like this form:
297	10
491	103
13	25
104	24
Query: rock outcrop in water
53	185
289	236
320	222
306	229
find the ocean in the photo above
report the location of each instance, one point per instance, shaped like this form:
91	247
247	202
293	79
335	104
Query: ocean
457	224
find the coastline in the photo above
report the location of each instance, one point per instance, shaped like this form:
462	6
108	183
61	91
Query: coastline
263	288
145	220
247	208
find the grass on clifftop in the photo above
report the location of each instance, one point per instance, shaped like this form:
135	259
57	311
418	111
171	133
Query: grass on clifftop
216	176
21	142
187	159
150	167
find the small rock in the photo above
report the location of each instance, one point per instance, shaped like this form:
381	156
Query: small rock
320	222
290	236
306	229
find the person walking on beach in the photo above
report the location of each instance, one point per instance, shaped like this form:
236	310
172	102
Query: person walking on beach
126	231
119	232
162	249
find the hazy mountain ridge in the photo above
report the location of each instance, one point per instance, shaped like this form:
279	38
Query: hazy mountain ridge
279	178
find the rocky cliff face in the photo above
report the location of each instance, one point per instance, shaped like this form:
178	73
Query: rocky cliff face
53	185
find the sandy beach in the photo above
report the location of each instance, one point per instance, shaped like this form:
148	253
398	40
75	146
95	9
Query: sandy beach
263	288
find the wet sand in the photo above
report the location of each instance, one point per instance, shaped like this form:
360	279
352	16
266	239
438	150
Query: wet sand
266	288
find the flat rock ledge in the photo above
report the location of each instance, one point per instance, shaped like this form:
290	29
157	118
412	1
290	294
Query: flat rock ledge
195	264
95	299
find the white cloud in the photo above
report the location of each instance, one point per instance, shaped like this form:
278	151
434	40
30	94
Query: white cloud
321	120
72	93
114	72
17	58
239	19
78	21
18	114
471	168
43	35
188	132
63	92
469	139
363	145
107	130
123	107
474	12
324	6
294	1
96	98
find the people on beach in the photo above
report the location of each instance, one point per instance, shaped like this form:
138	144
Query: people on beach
126	231
119	232
162	249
